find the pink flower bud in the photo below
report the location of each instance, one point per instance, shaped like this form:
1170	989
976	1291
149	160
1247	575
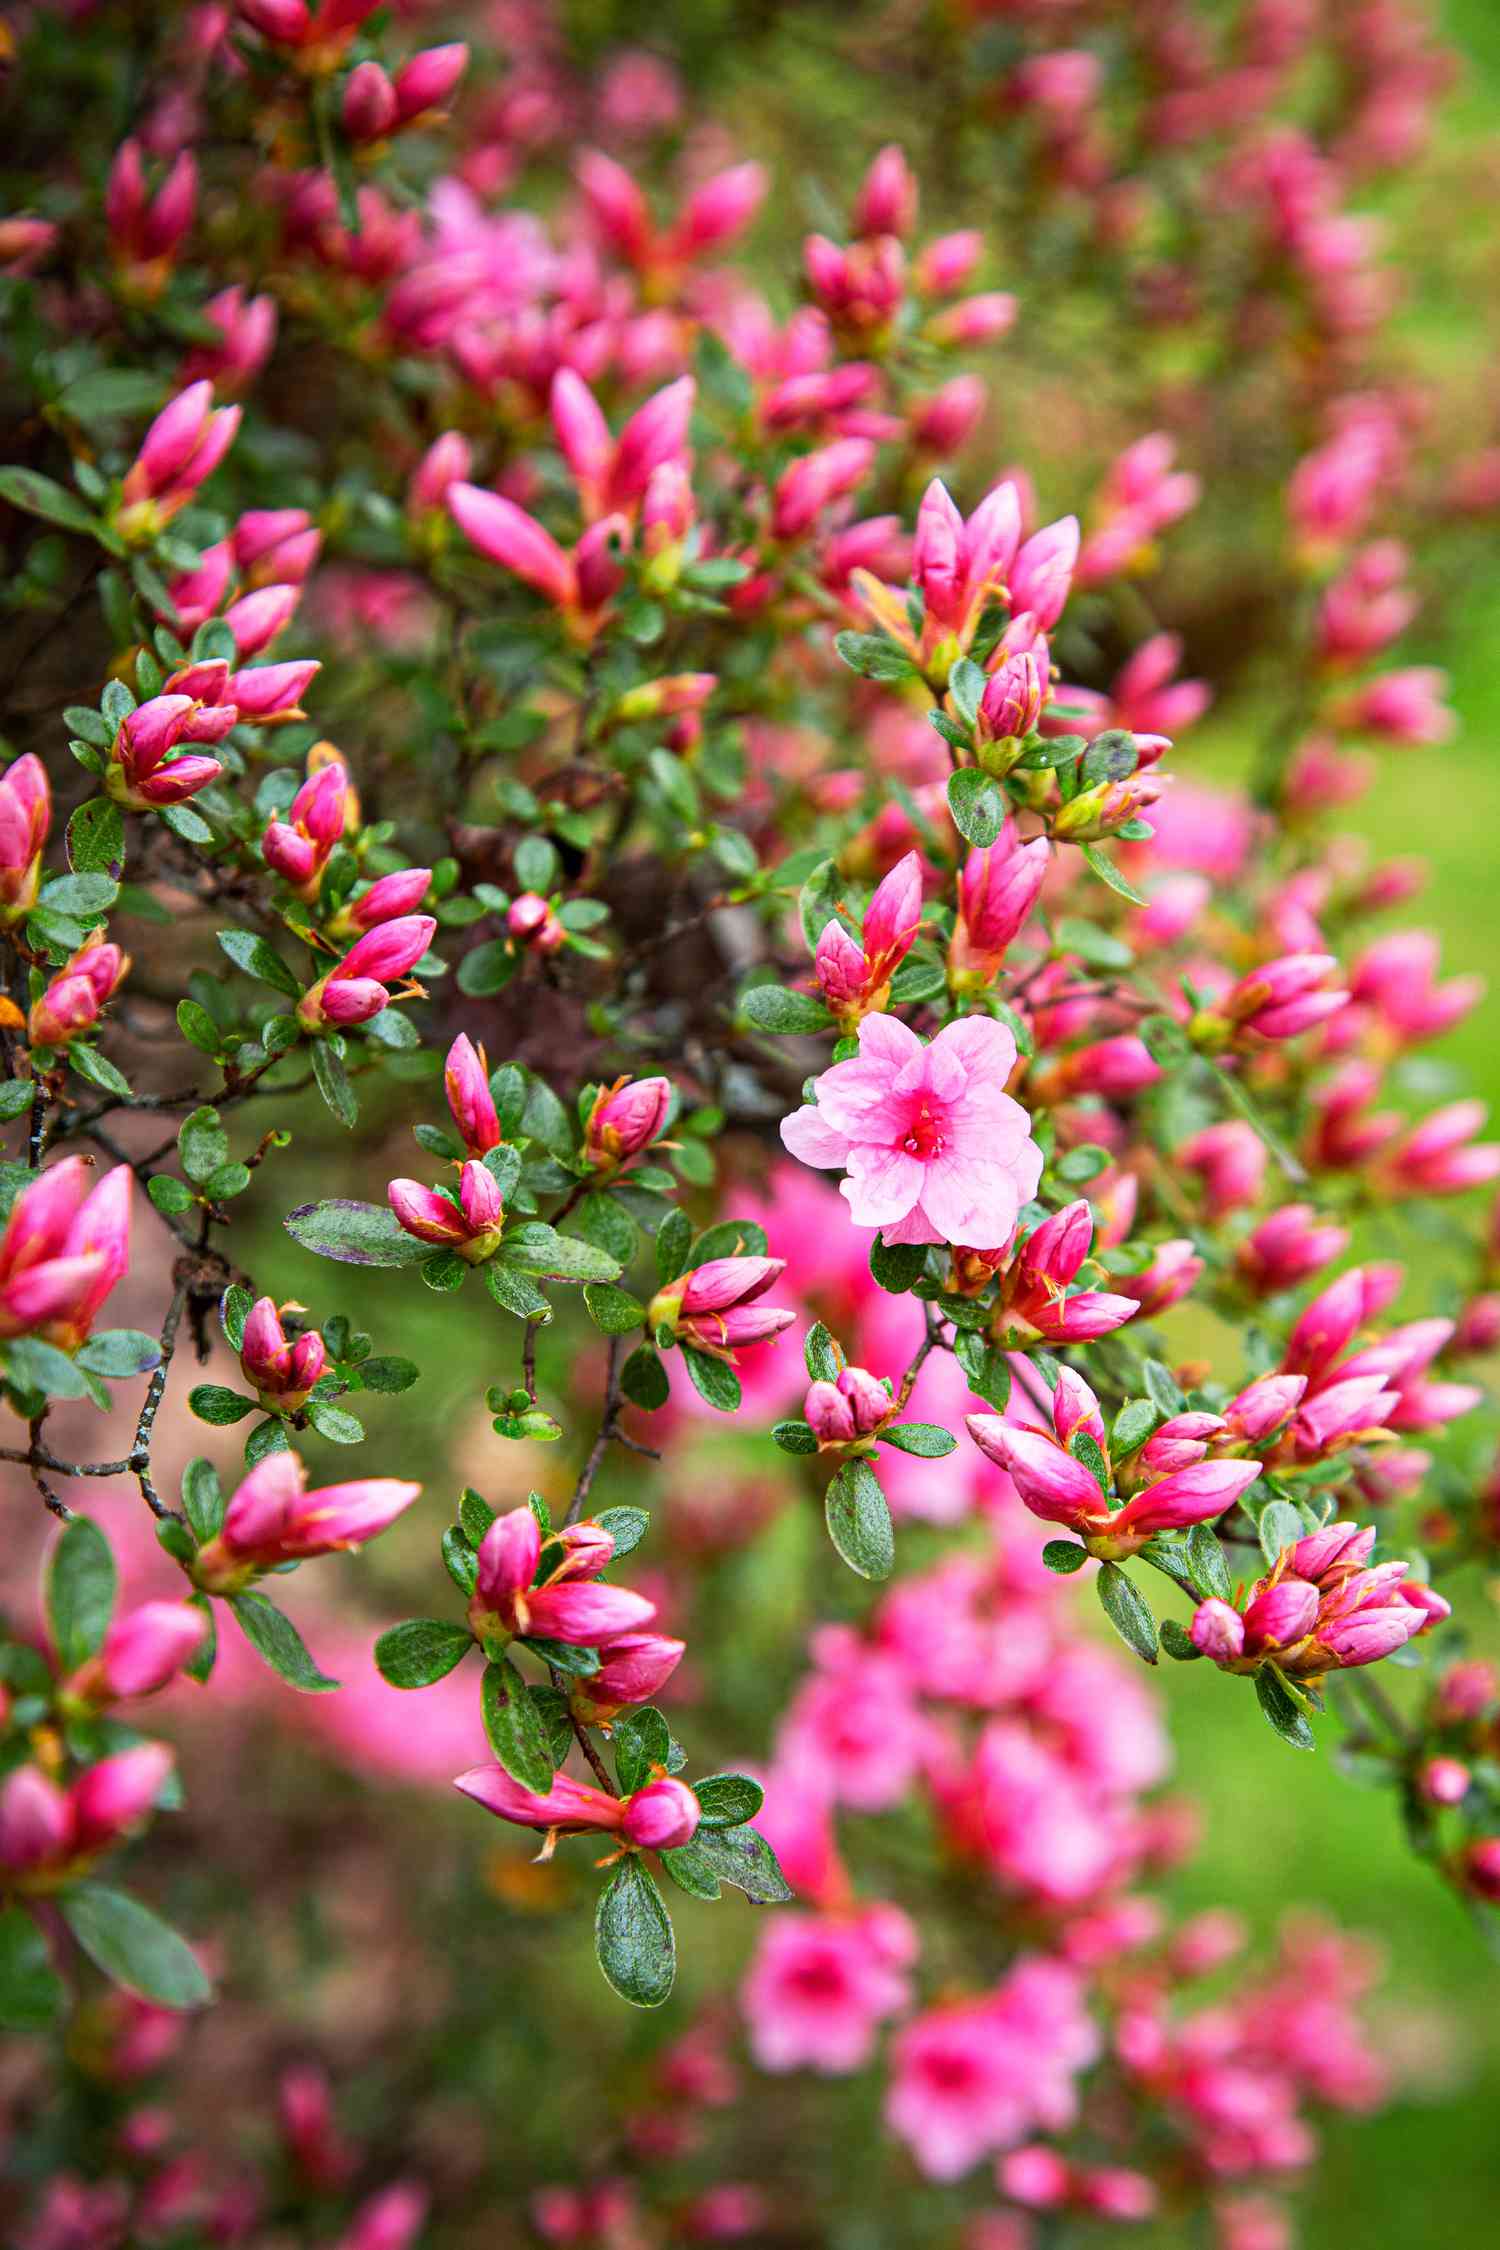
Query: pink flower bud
946	263
425	82
1042	573
944	423
572	1807
1218	1631
617	206
508	536
279	1369
271	694
143	1650
370	107
1444	1781
997	890
977	320
1289	1247
815	481
35	1822
1263	1406
625	1119
656	433
25	818
1193	1495
635	1667
585	1615
661	1816
273	1518
466	1080
388	899
718	210
887	199
1012	700
63	1249
531	922
508	1556
1280	1615
829	1414
1050	1482
256	618
447	462
115	1796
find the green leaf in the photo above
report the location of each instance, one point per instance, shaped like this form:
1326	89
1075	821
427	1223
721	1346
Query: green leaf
1283	1713
1280	1526
1165	1040
626	1526
859	1521
1178	1642
873	656
475	1515
1205	1558
259	959
42	1367
81	1583
39	496
641	1740
925	1439
98	1070
332	1423
31	1991
169	1194
977	803
772	1007
1131	1427
794	1437
1166	1396
966	684
633	1937
487	969
276	1640
821	1354
332	1081
15	1098
896	1265
538	1249
714	1381
514	1727
217	1404
1064	1556
202	1145
674	1239
613	1310
203	1501
516	1292
1128	1611
579	1663
88	894
118	1353
387	1374
1104	867
134	1946
423	1649
728	1800
987	1370
111	394
1087	1452
731	1855
356	1234
643	1380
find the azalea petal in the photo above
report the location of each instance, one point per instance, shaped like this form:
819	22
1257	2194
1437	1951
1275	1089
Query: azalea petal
883	1184
808	1134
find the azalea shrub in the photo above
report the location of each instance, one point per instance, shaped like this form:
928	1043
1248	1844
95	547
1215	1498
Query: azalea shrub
622	987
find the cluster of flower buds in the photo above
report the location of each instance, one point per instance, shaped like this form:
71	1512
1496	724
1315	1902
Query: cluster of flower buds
1281	1000
375	105
469	1220
624	1121
299	847
355	990
49	1835
1037	1298
1322	1607
715	1308
714	213
146	229
25	818
315	33
1063	1474
659	1816
997	890
848	1410
283	1370
142	1651
854	975
180	452
272	1518
566	1604
150	766
65	1245
72	1002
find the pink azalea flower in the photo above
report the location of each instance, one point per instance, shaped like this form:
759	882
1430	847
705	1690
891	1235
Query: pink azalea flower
820	1986
934	1148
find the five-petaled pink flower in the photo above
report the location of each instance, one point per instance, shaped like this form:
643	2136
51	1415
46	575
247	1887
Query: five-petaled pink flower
934	1148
